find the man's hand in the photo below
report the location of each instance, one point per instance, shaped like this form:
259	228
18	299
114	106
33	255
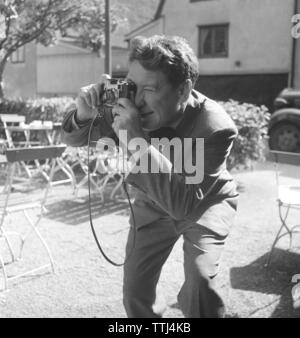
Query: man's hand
88	100
127	117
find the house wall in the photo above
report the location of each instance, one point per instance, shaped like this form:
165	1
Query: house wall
259	32
258	61
297	57
119	62
20	78
63	70
297	65
152	28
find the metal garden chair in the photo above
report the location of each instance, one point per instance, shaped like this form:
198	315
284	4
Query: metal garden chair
288	194
11	205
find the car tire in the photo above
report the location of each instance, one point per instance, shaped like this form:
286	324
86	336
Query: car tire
285	137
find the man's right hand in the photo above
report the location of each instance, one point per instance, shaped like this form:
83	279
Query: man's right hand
88	100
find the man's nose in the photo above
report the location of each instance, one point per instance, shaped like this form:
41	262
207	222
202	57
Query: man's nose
139	99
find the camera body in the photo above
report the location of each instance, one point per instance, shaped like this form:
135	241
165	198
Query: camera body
113	89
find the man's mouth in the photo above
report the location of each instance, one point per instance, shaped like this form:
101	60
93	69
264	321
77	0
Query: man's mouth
144	115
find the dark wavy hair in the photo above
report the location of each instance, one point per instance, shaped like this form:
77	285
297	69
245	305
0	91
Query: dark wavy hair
170	54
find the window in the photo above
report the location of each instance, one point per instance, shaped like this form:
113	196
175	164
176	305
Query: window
18	56
213	41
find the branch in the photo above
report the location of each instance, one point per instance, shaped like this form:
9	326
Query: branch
7	21
21	41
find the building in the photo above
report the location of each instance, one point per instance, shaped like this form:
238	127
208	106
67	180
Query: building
35	71
244	47
66	67
60	70
20	73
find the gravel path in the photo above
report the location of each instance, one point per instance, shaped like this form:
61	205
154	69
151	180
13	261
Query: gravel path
85	285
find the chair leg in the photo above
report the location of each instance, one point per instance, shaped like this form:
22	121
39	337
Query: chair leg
6	236
4	273
117	187
279	234
273	245
36	231
68	171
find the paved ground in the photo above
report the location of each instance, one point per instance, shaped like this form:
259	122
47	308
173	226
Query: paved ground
85	285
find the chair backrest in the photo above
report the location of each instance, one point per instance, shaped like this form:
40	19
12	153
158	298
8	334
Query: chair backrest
9	120
34	153
12	119
287	167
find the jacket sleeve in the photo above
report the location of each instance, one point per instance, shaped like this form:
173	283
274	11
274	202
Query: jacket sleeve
76	136
170	191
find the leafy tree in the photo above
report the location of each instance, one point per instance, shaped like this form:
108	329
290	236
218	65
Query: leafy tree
44	21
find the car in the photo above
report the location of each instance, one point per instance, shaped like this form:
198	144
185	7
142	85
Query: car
284	124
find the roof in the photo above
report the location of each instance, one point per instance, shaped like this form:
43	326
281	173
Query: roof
159	9
157	16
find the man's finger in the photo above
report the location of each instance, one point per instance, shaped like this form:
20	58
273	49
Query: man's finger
124	102
94	96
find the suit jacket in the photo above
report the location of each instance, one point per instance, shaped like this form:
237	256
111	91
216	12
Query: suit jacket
211	203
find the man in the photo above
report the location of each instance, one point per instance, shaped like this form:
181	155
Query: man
167	205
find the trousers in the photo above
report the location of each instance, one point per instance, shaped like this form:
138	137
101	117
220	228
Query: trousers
202	250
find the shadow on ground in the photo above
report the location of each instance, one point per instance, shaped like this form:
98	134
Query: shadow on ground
276	279
76	212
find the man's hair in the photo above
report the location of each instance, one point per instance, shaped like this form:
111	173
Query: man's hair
170	54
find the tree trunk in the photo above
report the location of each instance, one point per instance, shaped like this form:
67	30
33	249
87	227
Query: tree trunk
1	89
2	66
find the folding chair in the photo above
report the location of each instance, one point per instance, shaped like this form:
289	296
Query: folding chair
17	122
102	169
13	156
288	194
9	120
80	158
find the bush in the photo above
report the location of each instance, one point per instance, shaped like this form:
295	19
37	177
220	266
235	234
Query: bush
44	109
252	123
52	109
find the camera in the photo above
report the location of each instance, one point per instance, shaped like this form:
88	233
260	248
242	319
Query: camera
112	90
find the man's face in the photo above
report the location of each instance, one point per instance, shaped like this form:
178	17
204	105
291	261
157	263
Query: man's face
157	101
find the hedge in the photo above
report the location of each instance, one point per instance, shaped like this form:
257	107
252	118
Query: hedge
45	109
251	121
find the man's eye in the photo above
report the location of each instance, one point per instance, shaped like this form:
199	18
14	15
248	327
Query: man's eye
149	89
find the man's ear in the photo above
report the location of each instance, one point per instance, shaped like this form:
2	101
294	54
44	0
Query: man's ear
185	90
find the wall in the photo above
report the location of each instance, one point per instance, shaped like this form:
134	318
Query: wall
260	89
20	78
119	62
259	32
64	69
297	58
152	28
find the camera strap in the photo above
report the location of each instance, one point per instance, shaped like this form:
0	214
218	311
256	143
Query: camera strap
90	209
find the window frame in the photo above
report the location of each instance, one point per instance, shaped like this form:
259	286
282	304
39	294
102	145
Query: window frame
214	27
18	56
